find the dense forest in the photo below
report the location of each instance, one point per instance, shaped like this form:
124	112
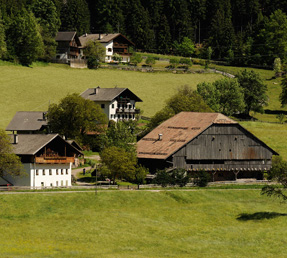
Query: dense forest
240	32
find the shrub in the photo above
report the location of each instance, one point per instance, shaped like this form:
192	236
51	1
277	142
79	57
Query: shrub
201	178
173	62
186	61
150	61
162	178
179	177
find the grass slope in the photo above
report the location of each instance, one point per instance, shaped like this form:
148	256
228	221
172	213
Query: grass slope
202	223
31	89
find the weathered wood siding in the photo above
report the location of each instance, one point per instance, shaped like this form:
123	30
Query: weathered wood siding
225	142
224	147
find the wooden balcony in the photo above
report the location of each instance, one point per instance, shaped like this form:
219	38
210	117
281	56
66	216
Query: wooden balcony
54	160
127	111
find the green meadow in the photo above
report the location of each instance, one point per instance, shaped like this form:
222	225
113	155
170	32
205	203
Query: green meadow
200	223
32	89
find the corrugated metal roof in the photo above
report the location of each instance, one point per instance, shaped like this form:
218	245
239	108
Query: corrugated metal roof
27	121
176	132
107	94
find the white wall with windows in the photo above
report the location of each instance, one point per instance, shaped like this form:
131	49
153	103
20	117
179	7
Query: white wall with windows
43	175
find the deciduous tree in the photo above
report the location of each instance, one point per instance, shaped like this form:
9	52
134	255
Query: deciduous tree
74	116
95	52
9	162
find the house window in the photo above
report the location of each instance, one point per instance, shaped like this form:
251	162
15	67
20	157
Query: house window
57	171
43	172
67	171
113	105
102	105
50	172
112	116
109	49
62	172
67	183
37	172
57	183
51	184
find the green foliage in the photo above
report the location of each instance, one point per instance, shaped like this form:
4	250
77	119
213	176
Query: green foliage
277	66
74	116
185	48
9	162
186	61
120	162
75	16
3	49
281	118
162	177
201	178
283	94
173	62
224	96
140	174
278	173
184	100
117	57
150	61
47	17
122	134
255	91
179	177
95	52
136	58
24	41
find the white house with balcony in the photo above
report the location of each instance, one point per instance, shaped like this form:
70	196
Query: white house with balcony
117	103
114	43
47	161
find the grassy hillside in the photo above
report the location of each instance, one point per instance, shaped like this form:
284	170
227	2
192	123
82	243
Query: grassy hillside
202	223
27	89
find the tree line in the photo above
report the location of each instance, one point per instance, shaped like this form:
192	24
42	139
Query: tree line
239	32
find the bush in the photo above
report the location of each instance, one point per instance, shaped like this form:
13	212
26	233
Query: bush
179	177
186	61
201	178
173	62
150	61
162	178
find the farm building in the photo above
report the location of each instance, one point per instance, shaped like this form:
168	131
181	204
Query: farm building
205	141
117	103
47	160
114	43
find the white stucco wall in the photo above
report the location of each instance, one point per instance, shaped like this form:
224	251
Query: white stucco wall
43	175
109	54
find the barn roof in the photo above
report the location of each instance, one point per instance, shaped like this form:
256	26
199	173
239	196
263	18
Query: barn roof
107	94
27	121
176	132
102	38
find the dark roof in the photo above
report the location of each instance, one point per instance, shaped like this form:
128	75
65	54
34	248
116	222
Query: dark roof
27	121
75	144
65	35
30	144
179	130
103	38
107	94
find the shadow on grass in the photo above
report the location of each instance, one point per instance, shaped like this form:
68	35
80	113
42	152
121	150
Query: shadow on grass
275	112
259	216
87	179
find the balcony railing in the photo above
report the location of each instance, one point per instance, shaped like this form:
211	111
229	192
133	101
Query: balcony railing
127	110
54	160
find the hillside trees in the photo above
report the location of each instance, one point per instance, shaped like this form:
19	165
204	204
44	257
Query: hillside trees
255	91
47	17
224	96
283	94
24	41
184	100
74	116
9	162
3	48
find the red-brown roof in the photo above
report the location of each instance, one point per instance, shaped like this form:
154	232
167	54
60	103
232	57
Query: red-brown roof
177	132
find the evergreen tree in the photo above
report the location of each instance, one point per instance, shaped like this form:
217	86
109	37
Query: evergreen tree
3	48
75	16
163	37
46	14
24	41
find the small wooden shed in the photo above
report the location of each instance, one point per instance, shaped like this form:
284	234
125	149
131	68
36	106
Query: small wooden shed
205	141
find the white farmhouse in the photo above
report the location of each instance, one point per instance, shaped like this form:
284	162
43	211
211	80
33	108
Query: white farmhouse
114	43
47	160
117	103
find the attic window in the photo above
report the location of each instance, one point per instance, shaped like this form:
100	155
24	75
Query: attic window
109	49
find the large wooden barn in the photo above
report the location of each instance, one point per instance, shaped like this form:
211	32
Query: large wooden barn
205	141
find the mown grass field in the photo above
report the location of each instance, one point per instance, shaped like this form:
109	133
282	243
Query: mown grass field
200	223
32	89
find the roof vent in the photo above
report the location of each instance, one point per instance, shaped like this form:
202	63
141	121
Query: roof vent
160	136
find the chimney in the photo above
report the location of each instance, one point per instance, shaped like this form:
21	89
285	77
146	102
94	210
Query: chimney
86	34
100	36
96	90
15	138
160	136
